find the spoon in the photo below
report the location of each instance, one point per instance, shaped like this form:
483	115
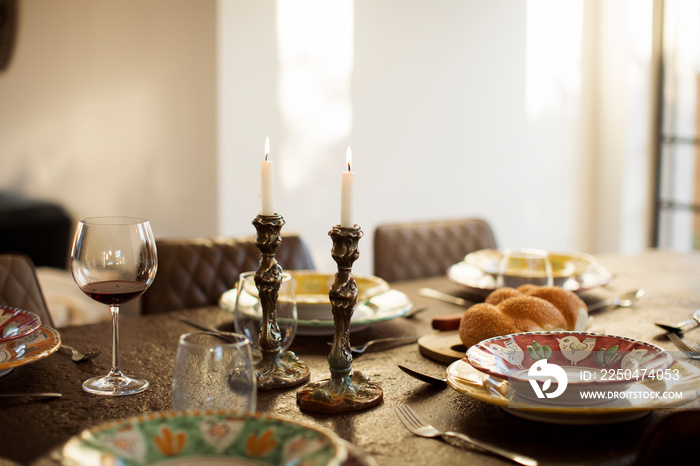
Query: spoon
626	300
679	327
424	377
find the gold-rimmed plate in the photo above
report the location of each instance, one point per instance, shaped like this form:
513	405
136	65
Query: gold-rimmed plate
643	397
29	348
572	271
385	306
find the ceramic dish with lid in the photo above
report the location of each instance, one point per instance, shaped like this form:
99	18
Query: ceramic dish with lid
201	437
563	365
16	323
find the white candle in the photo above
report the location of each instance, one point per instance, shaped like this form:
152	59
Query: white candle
267	183
346	198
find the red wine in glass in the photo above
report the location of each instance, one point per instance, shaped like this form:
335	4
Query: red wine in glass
114	291
114	260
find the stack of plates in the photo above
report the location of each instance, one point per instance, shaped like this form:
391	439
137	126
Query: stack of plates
632	377
573	271
376	302
22	338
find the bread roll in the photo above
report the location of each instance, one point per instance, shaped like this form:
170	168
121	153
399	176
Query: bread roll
571	306
528	309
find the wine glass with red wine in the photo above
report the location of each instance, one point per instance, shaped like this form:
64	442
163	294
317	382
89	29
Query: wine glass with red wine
113	261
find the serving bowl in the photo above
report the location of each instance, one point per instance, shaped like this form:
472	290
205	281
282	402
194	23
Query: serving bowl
570	368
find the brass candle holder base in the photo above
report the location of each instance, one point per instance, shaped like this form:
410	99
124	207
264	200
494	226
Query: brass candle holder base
352	392
275	369
281	370
345	390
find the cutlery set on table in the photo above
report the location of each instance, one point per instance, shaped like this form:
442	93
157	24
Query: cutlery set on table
499	370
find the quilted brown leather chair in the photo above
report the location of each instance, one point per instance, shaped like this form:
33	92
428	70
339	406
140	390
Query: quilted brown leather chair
408	251
20	288
195	272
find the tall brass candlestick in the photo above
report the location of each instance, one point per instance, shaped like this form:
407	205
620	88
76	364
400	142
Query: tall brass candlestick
275	369
344	391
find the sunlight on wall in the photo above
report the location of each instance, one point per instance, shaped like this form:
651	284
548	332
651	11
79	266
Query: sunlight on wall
315	50
553	54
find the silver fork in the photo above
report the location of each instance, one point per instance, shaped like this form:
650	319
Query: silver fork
359	349
77	356
418	426
689	351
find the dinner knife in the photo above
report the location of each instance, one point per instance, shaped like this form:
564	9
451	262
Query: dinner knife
207	328
33	394
440	296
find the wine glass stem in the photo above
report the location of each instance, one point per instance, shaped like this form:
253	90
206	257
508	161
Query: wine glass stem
115	337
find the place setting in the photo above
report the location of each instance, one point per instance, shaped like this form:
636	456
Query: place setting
213	419
501	371
513	268
574	271
377	302
218	375
530	333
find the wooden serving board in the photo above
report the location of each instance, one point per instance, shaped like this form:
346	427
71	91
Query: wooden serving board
443	347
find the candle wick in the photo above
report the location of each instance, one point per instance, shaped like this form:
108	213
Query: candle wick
349	166
266	157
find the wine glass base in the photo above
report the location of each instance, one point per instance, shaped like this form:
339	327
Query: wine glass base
111	385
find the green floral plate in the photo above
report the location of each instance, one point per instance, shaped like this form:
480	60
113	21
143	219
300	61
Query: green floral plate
201	437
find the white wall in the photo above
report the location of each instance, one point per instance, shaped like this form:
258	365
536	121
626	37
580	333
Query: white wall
109	108
439	124
161	108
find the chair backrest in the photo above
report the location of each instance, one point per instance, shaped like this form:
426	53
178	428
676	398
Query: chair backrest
20	288
408	251
195	272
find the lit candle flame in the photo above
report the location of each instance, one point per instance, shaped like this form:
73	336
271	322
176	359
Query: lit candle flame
348	158
267	147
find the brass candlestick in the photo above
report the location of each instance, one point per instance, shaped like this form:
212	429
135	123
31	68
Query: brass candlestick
275	369
343	391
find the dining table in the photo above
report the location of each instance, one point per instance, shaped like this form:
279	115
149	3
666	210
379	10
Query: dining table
30	428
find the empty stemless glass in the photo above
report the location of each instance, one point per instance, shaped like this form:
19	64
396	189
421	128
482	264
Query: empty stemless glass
214	371
248	311
114	260
524	266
